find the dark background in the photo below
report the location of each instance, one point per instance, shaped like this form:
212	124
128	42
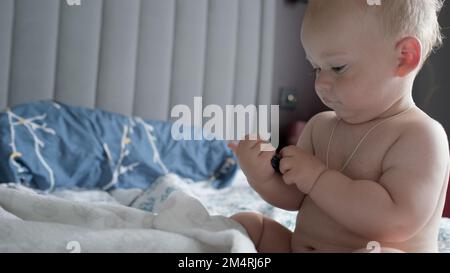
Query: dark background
431	89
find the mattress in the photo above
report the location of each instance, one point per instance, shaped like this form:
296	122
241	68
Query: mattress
224	202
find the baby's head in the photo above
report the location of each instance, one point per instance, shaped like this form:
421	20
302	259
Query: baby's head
367	56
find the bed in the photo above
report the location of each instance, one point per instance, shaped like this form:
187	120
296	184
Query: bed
191	220
88	180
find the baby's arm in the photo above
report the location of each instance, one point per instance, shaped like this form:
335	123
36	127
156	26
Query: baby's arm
264	180
400	204
256	166
277	193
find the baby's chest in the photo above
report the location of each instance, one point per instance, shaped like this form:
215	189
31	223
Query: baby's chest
356	159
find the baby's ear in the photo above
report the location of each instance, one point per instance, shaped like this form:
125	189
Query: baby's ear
409	54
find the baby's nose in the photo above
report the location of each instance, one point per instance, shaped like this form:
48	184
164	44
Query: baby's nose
323	83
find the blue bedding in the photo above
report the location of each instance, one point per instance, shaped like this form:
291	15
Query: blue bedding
48	145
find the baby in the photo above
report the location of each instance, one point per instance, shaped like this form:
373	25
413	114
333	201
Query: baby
376	168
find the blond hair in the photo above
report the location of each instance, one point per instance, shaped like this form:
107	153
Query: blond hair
399	18
418	18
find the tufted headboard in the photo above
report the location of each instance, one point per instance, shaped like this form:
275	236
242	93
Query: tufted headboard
136	57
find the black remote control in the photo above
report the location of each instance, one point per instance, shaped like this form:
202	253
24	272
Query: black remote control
276	162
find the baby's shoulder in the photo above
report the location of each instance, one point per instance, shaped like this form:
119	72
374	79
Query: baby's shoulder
419	136
421	127
323	119
322	123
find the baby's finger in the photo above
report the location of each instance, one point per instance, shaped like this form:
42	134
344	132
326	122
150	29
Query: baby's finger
248	142
262	147
233	146
288	178
266	156
252	137
254	144
288	151
267	147
285	165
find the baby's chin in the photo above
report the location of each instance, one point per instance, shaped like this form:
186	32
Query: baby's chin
351	118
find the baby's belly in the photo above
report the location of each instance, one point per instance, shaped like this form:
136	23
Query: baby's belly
317	232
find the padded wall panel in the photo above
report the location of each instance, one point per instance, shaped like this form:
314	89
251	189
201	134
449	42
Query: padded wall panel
267	52
34	50
78	53
248	50
221	52
137	57
118	51
189	51
154	64
6	26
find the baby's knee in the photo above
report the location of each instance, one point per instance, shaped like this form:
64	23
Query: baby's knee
252	222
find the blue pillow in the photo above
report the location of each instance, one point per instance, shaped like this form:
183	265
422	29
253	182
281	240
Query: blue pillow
48	145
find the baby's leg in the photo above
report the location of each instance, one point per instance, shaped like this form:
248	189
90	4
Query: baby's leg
268	235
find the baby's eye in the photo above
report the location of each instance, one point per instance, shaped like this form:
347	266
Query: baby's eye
339	69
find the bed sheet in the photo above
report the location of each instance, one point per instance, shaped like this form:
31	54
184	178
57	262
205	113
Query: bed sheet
240	197
225	202
228	201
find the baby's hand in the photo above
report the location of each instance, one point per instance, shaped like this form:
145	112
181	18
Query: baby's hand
253	159
300	168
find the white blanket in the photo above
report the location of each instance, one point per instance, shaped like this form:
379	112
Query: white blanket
30	222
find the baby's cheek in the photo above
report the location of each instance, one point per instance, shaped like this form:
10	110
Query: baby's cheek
355	88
